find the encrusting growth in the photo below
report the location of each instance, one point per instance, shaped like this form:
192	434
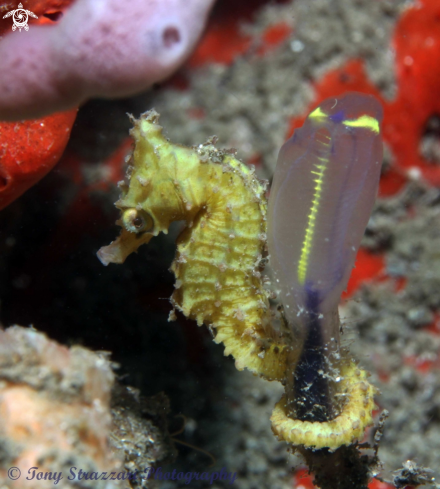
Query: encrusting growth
218	267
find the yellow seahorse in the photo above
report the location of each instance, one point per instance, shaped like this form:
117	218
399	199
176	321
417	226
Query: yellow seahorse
220	257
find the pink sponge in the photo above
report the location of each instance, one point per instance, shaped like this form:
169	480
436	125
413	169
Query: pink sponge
100	48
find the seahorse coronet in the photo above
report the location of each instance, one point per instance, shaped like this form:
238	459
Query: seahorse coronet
220	254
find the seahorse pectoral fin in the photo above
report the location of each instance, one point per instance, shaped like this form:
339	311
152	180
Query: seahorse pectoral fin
118	250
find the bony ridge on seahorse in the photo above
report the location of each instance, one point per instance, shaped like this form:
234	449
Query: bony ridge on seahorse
222	251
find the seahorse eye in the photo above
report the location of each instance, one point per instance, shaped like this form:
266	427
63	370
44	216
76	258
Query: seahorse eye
137	221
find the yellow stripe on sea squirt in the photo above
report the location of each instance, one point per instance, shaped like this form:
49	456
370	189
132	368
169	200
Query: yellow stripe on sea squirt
365	121
316	200
317	114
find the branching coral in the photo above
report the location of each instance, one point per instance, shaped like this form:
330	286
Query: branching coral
220	258
105	49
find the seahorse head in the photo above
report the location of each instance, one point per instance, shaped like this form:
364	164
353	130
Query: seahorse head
156	191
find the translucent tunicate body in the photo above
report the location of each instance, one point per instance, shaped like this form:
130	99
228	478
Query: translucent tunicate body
321	199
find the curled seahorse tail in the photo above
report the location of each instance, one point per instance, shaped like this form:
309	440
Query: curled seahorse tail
355	394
